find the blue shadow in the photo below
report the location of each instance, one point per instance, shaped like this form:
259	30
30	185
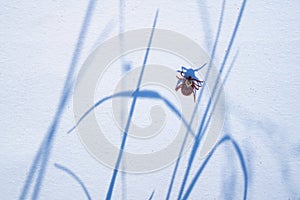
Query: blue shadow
76	178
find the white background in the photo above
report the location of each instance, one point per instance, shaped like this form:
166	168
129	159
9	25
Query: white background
37	41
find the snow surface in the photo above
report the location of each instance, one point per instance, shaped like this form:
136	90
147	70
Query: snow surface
37	41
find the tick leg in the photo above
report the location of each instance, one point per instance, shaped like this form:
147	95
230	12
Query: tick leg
198	81
198	84
180	78
196	87
194	96
179	86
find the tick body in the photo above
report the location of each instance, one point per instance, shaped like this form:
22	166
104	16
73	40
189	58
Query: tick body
188	82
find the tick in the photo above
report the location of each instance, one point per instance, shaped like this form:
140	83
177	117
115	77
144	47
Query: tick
188	82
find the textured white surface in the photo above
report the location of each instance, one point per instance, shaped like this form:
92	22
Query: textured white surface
37	40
